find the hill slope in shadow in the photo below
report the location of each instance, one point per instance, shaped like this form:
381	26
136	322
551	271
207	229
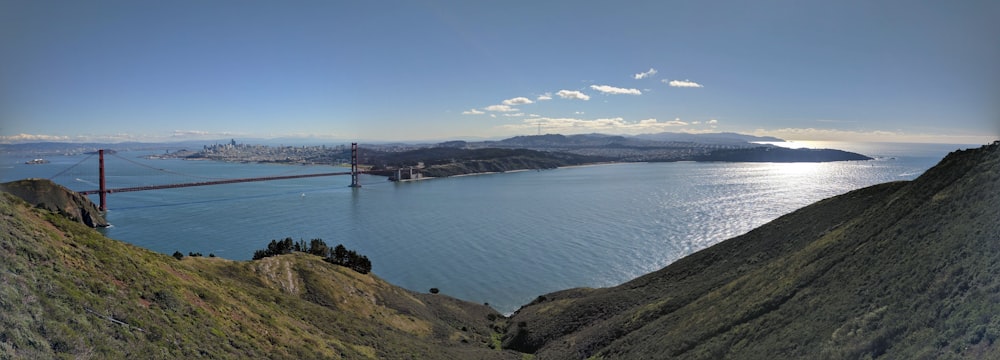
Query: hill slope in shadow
897	270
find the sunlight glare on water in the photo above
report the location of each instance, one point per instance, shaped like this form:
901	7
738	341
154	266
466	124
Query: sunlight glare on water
502	239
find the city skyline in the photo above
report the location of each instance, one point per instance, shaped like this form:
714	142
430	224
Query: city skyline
114	71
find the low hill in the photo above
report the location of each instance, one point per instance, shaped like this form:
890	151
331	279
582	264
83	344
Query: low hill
899	270
69	292
665	147
779	154
445	161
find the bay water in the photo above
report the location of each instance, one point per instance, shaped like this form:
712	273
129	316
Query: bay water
501	239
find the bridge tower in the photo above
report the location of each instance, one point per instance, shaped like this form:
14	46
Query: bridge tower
104	188
354	166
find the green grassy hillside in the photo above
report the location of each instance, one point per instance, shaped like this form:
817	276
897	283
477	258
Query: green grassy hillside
899	270
68	292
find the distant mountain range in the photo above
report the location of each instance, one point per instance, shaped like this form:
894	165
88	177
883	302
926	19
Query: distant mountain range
548	151
603	140
665	147
463	157
522	141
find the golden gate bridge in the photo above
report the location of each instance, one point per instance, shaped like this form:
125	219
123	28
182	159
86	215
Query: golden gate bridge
103	190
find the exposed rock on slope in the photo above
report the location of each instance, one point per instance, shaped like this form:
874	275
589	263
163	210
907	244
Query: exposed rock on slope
898	270
54	197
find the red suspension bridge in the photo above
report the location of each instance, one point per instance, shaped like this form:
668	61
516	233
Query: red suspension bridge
103	191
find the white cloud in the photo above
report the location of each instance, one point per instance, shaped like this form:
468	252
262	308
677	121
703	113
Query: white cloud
683	83
713	121
169	136
514	115
472	112
576	125
518	101
500	108
615	90
814	134
176	135
676	122
578	112
545	96
32	137
200	134
646	74
572	94
180	133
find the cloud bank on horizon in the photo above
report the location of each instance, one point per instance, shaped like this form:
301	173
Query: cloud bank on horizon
108	71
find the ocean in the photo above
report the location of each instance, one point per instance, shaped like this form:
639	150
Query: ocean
501	239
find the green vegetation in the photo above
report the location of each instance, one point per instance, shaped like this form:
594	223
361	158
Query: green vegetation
69	292
339	255
897	270
448	161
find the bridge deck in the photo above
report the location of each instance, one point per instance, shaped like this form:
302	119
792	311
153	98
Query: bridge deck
214	182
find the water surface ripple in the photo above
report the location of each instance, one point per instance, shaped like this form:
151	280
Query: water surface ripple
502	239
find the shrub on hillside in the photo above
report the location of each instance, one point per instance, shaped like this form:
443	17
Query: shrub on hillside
339	255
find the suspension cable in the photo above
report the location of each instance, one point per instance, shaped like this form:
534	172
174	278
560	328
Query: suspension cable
71	167
164	170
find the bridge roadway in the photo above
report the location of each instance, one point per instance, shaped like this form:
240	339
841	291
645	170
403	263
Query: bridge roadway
215	182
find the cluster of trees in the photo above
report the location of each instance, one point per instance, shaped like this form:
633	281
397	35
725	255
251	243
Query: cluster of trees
179	255
338	255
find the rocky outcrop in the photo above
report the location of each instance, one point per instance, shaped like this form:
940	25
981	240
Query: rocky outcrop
48	195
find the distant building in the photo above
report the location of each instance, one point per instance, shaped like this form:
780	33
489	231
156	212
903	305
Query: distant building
407	174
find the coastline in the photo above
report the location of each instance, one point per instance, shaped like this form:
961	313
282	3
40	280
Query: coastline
520	170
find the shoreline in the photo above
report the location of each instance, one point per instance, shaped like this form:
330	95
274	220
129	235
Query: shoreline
517	171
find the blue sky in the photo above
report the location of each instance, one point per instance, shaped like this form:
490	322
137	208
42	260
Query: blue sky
421	70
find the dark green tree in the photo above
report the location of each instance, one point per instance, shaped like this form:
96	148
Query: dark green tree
339	255
319	248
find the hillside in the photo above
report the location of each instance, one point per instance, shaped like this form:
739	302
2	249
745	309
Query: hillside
778	154
899	270
449	161
69	292
666	147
